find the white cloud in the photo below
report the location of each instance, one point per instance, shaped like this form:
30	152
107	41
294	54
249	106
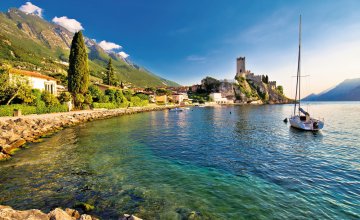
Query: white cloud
195	58
123	54
71	24
29	8
109	46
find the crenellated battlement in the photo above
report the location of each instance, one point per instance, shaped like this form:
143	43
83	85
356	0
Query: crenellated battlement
272	84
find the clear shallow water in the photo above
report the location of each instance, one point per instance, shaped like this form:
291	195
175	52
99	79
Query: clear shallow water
165	165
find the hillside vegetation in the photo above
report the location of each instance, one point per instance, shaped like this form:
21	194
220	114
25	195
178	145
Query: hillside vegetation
30	42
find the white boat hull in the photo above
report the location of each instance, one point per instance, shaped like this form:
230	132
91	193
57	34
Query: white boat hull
306	125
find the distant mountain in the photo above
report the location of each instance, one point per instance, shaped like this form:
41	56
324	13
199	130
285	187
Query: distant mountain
30	42
348	90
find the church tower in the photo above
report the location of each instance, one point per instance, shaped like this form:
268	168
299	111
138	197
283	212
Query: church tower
240	66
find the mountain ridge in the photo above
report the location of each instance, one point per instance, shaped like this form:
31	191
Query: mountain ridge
29	42
348	90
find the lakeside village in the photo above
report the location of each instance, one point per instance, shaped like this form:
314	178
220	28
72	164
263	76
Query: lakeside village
31	92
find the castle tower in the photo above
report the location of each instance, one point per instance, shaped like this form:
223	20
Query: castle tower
240	66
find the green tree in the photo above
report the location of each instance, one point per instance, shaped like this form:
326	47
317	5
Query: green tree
280	89
78	72
210	84
110	78
17	88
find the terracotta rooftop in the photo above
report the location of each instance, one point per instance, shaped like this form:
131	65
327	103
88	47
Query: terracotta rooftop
32	74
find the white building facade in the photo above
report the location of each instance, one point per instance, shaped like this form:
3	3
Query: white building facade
35	80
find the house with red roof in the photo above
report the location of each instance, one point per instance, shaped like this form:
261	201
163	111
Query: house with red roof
36	80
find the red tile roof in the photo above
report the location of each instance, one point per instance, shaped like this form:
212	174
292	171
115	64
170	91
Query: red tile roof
32	74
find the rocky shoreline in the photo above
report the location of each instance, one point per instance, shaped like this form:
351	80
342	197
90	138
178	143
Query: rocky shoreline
16	131
8	213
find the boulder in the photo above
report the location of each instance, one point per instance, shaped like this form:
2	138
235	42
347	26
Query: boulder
72	213
59	214
88	217
4	156
129	217
13	146
7	213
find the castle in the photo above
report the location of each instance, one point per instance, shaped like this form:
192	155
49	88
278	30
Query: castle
247	74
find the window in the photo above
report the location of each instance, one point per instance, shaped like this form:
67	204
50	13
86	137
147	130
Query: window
50	87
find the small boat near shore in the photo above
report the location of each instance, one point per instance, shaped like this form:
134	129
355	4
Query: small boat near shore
176	110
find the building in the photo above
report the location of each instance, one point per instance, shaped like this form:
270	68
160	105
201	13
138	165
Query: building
104	87
247	74
180	98
161	99
240	66
36	80
177	98
272	85
218	99
195	88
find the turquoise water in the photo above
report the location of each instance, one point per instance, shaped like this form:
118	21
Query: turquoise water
204	163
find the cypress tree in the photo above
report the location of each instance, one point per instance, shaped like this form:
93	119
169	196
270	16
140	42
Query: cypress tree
78	72
110	78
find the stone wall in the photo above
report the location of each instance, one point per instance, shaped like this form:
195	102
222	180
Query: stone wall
16	131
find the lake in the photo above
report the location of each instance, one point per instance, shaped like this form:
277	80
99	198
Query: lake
235	162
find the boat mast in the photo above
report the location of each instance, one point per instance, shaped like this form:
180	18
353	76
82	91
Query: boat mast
298	72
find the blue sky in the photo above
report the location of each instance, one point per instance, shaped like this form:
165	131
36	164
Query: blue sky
187	40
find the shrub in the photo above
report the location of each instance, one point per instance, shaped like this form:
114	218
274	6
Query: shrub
95	92
7	110
49	99
142	96
65	97
127	94
104	99
37	93
88	99
136	101
111	94
104	105
41	108
119	97
79	99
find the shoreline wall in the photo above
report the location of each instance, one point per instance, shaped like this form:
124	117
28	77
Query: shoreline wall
16	131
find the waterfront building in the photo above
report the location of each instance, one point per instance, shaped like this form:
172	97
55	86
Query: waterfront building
35	80
219	99
161	99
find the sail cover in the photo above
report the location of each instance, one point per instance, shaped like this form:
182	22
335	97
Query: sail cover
303	111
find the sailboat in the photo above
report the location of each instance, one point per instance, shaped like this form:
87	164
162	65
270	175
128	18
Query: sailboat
300	118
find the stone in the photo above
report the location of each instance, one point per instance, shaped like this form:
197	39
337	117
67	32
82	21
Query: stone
13	146
129	217
4	156
73	213
59	214
7	213
86	217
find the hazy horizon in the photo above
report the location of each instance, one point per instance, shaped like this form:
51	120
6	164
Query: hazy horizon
186	41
